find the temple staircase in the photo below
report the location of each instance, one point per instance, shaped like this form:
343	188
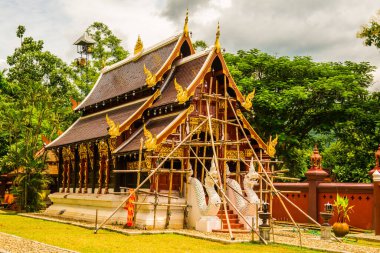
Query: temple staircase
236	227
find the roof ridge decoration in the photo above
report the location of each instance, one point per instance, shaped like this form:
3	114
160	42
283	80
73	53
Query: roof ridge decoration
150	140
139	46
182	95
217	42
271	150
151	79
144	52
113	129
247	104
186	27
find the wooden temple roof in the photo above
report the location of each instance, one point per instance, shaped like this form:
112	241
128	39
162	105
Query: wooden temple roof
95	125
128	75
184	73
163	60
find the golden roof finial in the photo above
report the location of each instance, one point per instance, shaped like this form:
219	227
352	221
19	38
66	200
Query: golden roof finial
217	43
113	129
247	104
151	79
182	96
139	45
271	148
186	27
150	140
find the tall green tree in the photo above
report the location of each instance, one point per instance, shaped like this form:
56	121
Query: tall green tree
35	102
307	102
106	51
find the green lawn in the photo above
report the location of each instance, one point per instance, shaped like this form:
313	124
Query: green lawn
83	240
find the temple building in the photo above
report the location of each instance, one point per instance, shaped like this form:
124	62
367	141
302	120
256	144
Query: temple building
170	118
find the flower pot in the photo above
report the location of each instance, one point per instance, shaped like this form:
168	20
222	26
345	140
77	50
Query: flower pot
340	229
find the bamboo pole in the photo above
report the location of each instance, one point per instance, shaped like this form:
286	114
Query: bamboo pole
148	177
225	135
170	191
238	151
266	175
196	164
204	155
217	167
155	204
138	180
182	174
191	157
219	120
159	171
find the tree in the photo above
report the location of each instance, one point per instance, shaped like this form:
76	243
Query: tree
35	101
306	102
371	32
106	51
20	32
200	44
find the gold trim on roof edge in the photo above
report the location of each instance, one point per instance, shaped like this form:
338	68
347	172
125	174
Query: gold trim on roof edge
151	79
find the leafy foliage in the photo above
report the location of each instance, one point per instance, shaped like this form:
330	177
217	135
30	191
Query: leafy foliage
342	209
200	44
371	32
106	51
305	101
35	102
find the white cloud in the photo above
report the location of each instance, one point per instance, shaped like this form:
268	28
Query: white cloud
324	30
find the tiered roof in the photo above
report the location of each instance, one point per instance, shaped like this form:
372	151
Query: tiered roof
172	63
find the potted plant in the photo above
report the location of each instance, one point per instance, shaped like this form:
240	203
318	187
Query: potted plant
340	227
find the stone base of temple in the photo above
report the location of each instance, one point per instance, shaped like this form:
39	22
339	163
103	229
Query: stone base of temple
148	218
208	223
82	207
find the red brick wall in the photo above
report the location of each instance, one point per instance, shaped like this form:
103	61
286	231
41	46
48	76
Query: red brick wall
360	195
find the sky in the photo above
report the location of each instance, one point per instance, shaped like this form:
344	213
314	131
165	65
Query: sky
323	29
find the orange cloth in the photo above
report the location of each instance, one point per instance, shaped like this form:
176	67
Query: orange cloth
11	199
130	207
8	198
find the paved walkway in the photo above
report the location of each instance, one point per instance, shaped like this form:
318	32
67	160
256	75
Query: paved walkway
368	237
14	244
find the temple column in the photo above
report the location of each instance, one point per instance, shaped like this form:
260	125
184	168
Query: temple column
103	165
82	167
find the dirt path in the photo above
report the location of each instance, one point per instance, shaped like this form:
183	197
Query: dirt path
14	244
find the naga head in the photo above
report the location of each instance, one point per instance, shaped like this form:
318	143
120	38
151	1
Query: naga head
252	176
213	174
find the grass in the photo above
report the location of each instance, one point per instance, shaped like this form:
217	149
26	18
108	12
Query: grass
83	240
362	242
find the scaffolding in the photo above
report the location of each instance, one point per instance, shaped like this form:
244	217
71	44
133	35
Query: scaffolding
215	125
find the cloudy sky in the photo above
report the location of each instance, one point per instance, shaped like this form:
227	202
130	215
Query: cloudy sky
325	30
